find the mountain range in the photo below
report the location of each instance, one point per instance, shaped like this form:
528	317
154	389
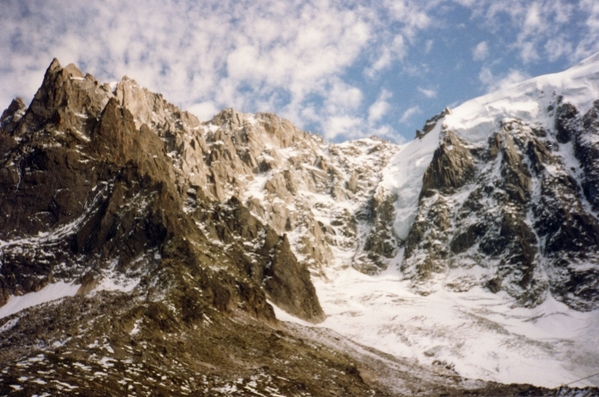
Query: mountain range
145	252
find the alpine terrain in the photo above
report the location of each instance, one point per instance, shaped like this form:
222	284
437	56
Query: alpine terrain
145	252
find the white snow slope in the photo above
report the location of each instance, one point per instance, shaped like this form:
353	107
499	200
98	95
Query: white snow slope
477	333
49	293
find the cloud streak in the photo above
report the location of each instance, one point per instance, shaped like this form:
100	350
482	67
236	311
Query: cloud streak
405	117
429	93
380	107
493	83
481	51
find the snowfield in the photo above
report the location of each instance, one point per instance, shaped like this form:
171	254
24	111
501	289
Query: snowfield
477	333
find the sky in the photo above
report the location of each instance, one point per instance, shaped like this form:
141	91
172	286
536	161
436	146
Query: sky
342	69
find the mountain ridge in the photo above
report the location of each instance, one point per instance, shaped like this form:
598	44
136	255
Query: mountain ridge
118	191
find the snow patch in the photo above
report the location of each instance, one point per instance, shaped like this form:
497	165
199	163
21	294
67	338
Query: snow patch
113	283
50	292
10	324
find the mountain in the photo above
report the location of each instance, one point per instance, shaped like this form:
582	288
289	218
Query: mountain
510	194
171	243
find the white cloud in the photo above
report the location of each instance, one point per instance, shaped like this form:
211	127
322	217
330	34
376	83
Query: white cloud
347	126
467	3
311	62
383	61
242	64
563	12
414	110
533	18
589	43
429	93
541	30
389	52
557	47
428	46
204	110
481	51
493	83
486	76
200	55
412	18
380	107
412	14
528	51
343	97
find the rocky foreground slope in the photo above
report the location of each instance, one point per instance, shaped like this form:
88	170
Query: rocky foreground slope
174	235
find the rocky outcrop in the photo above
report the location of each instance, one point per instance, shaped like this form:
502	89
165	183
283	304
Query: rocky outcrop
381	243
431	123
587	152
451	168
427	244
263	256
288	283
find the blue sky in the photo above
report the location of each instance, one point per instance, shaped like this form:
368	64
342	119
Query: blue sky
342	69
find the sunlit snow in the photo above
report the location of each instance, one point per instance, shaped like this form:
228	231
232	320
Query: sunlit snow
474	120
49	293
476	332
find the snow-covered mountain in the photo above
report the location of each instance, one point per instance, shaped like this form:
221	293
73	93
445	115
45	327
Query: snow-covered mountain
511	192
487	221
496	205
471	251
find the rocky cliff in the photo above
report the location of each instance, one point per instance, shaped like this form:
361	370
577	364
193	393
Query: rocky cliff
513	212
508	206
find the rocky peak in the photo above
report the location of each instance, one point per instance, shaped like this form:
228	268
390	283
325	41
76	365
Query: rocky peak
431	123
152	109
452	166
94	184
14	112
65	90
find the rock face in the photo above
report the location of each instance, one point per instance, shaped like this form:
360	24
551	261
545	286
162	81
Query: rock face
321	195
